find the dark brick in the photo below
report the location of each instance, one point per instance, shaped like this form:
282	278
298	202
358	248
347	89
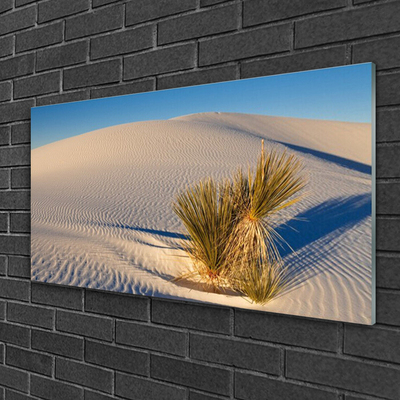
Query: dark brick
17	20
211	75
6	5
13	395
116	358
249	387
387	308
37	85
92	74
235	353
20	222
16	66
258	11
201	396
118	305
146	10
62	56
13	378
253	43
50	389
14	289
39	37
387	123
386	161
3	266
2	311
99	3
160	61
198	376
85	325
19	3
347	25
145	85
6	46
387	272
131	387
4	138
56	343
30	315
89	395
388	234
84	374
14	200
122	42
19	245
103	20
387	194
19	266
5	91
21	133
63	98
287	330
58	296
387	92
20	178
12	112
29	360
10	333
359	376
295	62
54	9
209	319
151	337
3	228
199	24
205	3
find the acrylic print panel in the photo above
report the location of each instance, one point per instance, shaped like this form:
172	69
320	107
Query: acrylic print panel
256	194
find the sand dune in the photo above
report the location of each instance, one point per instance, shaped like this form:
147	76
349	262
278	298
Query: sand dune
102	218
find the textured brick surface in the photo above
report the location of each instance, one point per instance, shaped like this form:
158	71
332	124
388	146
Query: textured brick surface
388	272
16	66
50	389
53	9
21	133
37	84
57	296
20	178
17	20
30	315
29	360
145	85
15	334
40	37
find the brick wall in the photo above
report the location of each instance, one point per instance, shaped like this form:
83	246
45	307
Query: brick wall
67	343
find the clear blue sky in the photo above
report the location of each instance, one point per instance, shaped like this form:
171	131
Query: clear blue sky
341	93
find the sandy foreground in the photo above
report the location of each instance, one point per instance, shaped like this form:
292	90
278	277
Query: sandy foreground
102	216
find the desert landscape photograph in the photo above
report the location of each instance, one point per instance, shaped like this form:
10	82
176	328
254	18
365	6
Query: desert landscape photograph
257	194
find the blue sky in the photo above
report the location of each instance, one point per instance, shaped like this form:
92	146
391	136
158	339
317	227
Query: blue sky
341	93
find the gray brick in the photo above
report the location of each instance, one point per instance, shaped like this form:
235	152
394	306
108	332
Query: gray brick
347	25
19	245
201	396
376	343
14	289
199	24
3	265
89	395
145	85
10	333
210	75
29	360
20	178
84	374
13	378
85	325
5	136
146	10
27	314
160	61
65	97
116	358
195	375
315	59
92	74
209	319
99	3
5	91
387	307
387	272
249	387
16	66
131	387
56	343
151	337
122	42
359	376
286	330
6	5
2	311
388	234
54	9
19	266
3	228
387	194
14	200
118	305
21	133
12	112
386	161
6	46
39	37
20	222
258	11
13	395
387	122
17	20
58	296
274	39
19	3
37	85
50	389
103	20
387	92
235	353
205	3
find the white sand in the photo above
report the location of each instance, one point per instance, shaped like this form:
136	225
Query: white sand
102	218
